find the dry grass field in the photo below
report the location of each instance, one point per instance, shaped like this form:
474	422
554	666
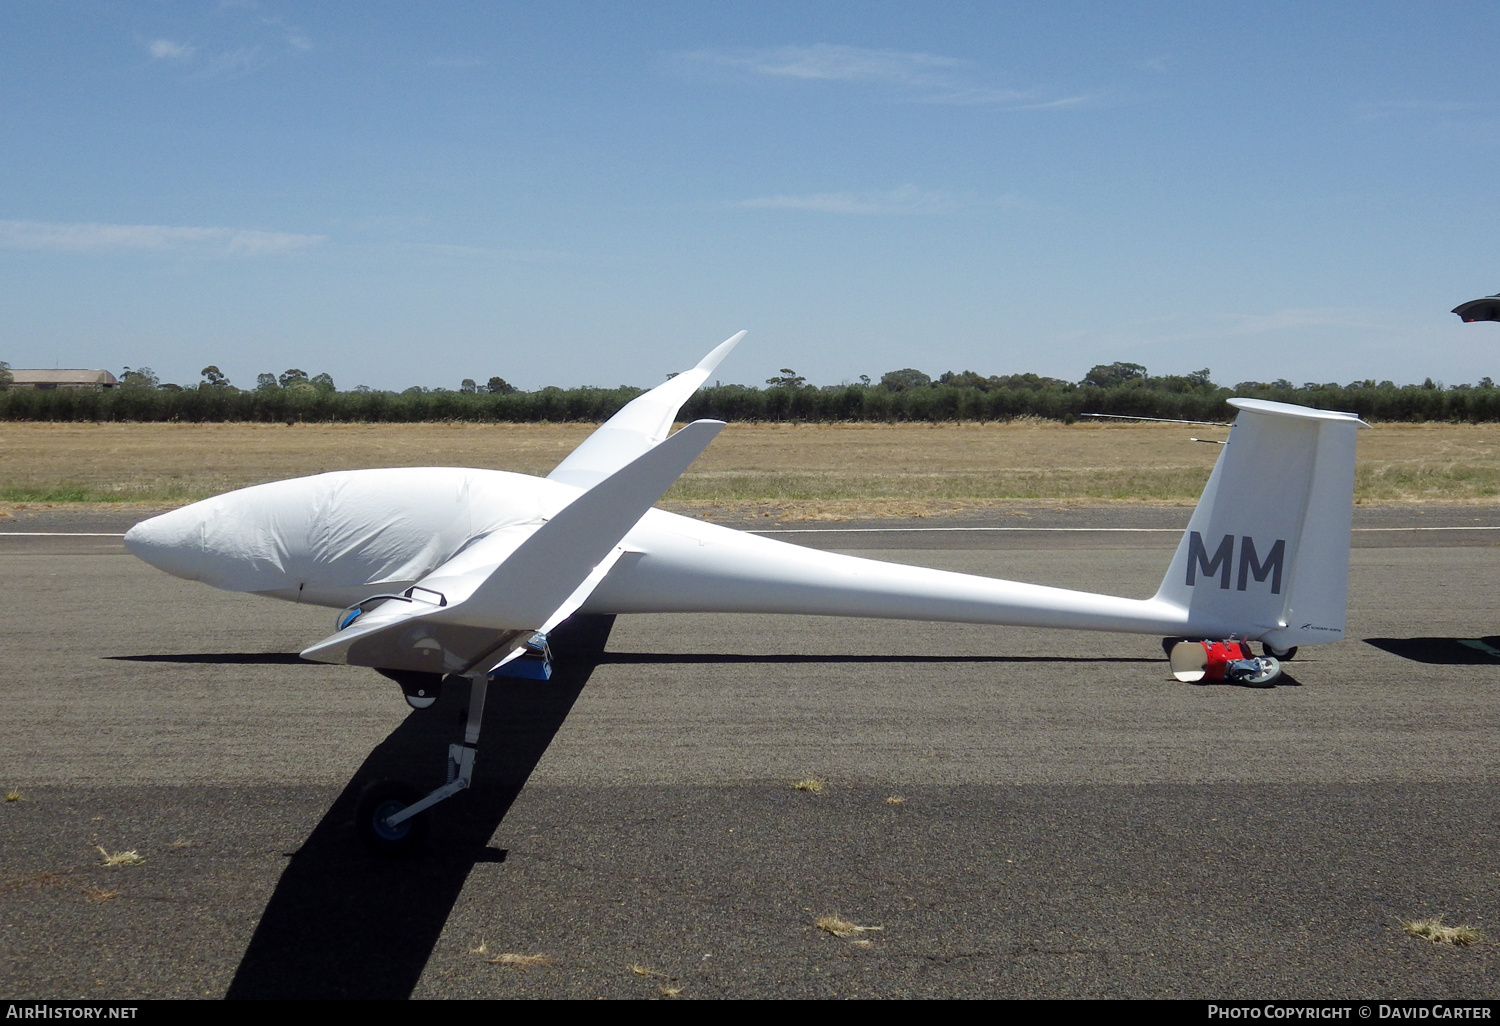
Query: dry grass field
829	471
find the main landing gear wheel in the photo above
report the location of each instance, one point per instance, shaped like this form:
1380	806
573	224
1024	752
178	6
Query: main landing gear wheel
382	799
1283	654
390	799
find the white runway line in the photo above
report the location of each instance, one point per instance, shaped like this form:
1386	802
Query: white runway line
1062	530
864	530
916	530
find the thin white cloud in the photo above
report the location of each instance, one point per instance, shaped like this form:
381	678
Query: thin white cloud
87	237
1314	317
295	37
245	41
836	63
908	199
240	60
930	78
1237	326
462	252
1009	98
1416	108
166	49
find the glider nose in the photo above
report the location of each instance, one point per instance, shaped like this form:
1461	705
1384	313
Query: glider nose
172	542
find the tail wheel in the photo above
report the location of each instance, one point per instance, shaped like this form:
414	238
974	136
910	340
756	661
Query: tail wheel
1283	654
1212	661
1267	673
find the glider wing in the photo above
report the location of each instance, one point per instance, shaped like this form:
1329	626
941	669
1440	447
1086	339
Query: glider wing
476	607
641	424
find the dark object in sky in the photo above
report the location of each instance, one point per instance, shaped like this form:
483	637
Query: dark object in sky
1486	309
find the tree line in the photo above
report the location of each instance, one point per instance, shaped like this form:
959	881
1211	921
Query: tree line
906	395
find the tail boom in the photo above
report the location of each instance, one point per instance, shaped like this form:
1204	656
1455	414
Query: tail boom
1265	557
675	565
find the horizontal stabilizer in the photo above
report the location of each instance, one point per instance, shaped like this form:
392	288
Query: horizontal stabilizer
641	424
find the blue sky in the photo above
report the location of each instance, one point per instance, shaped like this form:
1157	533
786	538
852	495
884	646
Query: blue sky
597	193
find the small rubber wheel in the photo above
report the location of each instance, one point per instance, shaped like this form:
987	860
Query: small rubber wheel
1283	654
385	798
1167	643
1269	673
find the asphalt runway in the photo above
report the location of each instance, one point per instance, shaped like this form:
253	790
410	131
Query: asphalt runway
1013	812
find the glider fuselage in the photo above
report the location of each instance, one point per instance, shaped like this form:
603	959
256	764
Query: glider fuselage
336	539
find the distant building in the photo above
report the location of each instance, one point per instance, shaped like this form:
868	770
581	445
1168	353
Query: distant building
49	379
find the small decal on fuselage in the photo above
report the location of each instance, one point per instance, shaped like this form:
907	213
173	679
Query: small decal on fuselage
1221	564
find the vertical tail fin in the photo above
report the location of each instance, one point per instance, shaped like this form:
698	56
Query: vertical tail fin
1266	554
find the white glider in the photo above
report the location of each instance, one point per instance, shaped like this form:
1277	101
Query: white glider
444	571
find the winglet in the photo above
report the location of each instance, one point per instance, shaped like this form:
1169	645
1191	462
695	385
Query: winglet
639	425
717	354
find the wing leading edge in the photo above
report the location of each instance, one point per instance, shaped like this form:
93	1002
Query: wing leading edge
641	423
